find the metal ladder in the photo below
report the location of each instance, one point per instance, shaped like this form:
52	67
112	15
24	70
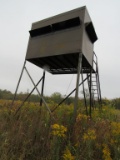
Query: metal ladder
94	84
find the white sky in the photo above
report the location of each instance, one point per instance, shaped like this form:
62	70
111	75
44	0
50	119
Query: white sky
16	17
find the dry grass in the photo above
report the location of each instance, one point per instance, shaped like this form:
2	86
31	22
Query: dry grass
35	135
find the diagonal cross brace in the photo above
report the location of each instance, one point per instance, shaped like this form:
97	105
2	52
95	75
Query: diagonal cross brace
38	90
70	94
18	84
27	96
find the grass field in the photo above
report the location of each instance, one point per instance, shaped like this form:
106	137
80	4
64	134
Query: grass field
33	134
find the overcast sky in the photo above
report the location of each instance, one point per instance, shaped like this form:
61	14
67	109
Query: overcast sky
16	17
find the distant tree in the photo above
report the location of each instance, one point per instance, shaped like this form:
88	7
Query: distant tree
116	103
106	101
56	97
5	94
0	94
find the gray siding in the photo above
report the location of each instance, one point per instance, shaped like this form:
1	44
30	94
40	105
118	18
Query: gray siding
62	42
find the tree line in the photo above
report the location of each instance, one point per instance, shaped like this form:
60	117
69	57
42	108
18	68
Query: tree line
55	97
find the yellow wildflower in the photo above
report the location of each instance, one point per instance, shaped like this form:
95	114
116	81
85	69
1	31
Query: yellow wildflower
113	141
90	135
115	128
58	130
67	155
106	153
77	144
81	117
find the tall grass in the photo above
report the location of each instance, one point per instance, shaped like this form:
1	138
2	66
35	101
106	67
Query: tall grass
32	134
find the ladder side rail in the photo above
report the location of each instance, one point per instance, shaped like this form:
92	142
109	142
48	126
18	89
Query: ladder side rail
100	99
92	86
97	82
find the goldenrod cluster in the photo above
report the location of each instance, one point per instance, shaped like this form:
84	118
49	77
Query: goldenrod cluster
67	155
115	128
58	130
90	135
113	141
106	153
81	117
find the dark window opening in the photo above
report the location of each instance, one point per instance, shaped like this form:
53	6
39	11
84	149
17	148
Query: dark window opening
55	27
91	32
66	24
40	31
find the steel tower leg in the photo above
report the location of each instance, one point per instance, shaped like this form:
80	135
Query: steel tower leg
70	94
42	89
90	91
18	83
77	87
28	96
84	94
35	87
